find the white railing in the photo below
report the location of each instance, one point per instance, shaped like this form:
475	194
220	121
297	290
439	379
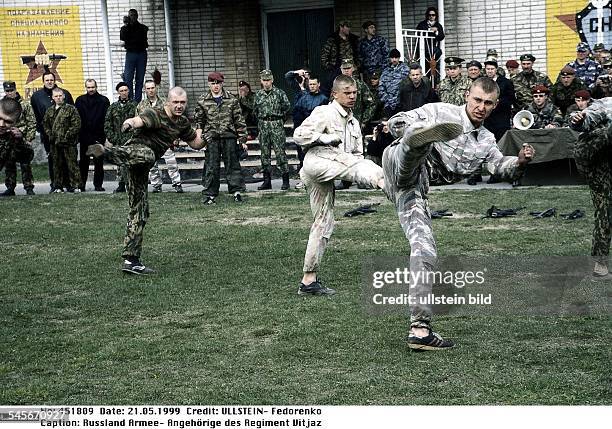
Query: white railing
420	45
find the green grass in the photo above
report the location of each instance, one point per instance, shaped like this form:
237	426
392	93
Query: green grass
221	321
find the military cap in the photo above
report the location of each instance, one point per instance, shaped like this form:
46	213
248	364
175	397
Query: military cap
215	77
582	47
540	89
344	23
266	75
9	85
394	53
583	94
367	24
567	70
244	83
491	61
474	63
492	53
599	47
527	57
512	64
346	64
453	61
375	74
120	84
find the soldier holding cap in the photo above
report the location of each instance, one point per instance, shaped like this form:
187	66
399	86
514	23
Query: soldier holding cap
545	114
586	69
223	126
562	92
342	44
453	87
26	124
270	107
373	49
526	80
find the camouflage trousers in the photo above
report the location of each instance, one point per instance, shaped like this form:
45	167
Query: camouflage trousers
226	148
136	160
173	170
323	165
406	185
10	170
593	155
272	136
66	173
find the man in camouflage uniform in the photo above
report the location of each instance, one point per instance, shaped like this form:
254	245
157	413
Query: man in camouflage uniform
451	142
154	101
563	91
373	50
116	115
593	158
341	45
373	84
155	130
27	125
223	127
270	106
453	87
526	80
13	147
62	123
545	114
331	138
582	100
587	70
246	98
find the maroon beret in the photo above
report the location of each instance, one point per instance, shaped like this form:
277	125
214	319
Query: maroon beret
215	77
540	89
584	94
512	64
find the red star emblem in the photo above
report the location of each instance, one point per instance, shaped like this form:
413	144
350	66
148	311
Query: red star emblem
42	61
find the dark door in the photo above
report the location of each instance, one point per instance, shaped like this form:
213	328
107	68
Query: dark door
295	40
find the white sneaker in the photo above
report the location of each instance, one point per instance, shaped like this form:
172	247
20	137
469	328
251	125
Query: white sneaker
299	185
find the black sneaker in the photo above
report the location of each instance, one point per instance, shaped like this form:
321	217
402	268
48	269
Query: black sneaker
433	341
120	188
209	200
8	193
444	131
315	288
157	189
238	197
136	267
99	189
178	188
30	192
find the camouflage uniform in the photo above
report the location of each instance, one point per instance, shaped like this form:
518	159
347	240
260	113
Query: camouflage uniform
116	114
62	124
323	163
563	96
333	52
523	84
549	114
169	157
270	108
14	150
593	156
373	53
246	106
587	72
407	180
27	126
137	156
388	88
223	127
453	91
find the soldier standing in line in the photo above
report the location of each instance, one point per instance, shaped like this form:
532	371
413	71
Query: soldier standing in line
13	147
155	130
453	87
223	127
27	125
526	80
62	124
116	115
545	114
270	106
154	101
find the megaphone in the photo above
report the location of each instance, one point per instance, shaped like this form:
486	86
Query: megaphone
523	120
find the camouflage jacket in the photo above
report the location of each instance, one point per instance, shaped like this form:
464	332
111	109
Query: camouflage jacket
337	49
365	105
453	91
597	114
549	114
563	96
27	121
373	53
523	83
224	120
246	106
62	125
116	114
587	72
146	104
272	104
388	88
8	146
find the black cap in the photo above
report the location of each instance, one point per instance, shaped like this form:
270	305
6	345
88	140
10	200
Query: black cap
120	84
367	24
9	85
527	57
474	63
394	53
453	61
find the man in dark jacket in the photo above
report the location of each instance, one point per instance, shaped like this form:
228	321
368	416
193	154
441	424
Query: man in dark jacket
500	119
341	45
41	100
92	107
415	91
563	91
134	36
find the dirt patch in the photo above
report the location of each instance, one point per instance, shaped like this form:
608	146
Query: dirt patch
263	220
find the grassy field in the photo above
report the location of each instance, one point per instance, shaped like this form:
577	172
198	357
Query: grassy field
221	321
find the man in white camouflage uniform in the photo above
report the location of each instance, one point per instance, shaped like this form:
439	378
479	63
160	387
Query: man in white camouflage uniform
452	142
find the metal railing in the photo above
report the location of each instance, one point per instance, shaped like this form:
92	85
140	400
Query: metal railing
419	46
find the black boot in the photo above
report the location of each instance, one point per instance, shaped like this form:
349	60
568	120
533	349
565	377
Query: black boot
267	184
285	184
120	187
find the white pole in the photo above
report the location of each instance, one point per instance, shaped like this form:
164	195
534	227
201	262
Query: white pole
108	59
399	40
443	42
169	48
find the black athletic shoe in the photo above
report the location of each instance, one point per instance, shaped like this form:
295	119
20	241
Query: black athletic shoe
120	188
157	189
8	193
30	192
99	189
238	197
178	188
136	267
433	341
315	288
209	200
